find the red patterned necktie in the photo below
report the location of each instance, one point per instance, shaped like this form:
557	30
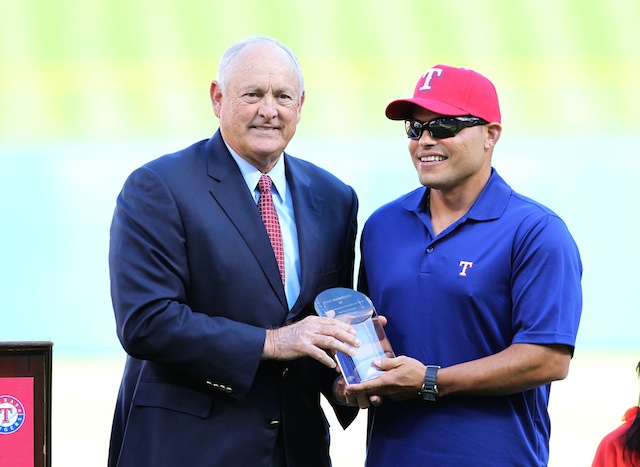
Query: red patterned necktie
270	219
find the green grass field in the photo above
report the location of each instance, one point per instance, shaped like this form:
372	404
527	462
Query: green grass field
122	70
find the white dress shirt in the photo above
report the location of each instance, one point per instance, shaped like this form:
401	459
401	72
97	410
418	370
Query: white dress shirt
284	207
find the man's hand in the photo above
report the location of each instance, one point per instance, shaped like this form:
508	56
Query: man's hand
402	380
351	399
314	337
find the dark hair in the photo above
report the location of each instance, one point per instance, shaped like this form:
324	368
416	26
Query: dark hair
633	433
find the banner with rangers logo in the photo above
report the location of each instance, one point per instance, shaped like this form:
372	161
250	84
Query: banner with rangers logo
16	422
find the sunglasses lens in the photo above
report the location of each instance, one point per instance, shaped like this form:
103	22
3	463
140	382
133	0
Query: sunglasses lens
444	128
413	128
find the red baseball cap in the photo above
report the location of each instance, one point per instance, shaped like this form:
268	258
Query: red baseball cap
450	91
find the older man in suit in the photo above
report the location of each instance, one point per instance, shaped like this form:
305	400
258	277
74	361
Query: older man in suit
226	359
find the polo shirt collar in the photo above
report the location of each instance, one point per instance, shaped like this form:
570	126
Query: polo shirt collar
490	204
492	200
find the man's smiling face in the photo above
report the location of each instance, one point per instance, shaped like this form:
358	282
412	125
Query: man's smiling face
261	107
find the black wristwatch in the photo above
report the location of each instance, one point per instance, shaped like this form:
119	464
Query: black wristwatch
429	391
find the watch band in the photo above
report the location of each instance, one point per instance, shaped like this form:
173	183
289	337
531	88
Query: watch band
429	391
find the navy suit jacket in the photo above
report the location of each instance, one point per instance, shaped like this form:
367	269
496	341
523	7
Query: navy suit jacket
194	284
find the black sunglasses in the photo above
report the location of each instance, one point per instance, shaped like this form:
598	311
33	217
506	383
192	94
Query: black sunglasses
441	127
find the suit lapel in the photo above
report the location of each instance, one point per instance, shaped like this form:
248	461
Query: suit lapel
307	208
229	190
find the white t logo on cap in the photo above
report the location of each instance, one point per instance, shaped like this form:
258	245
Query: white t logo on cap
428	76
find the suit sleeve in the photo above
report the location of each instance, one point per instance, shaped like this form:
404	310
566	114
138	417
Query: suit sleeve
150	286
350	241
344	414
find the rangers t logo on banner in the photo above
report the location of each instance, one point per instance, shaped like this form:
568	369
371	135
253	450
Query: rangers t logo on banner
11	414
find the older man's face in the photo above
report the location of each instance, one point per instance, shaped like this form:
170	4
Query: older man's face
261	107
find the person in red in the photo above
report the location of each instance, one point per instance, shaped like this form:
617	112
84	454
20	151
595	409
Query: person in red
621	447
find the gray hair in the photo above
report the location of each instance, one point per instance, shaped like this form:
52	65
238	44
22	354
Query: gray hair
230	54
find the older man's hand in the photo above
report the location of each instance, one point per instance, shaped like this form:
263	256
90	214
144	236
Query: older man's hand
316	337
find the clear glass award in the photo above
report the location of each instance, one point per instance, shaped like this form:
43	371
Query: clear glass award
356	309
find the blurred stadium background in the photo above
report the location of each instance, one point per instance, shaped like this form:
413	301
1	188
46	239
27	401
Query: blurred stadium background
91	89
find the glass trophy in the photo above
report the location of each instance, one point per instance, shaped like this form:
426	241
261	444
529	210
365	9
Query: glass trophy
356	309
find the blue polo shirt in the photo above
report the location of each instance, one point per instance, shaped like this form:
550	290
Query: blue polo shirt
506	272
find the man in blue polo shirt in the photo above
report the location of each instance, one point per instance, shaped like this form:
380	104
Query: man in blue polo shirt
481	289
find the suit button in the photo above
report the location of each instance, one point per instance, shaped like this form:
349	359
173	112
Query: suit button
285	373
274	423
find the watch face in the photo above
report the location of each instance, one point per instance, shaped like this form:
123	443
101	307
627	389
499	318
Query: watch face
429	395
